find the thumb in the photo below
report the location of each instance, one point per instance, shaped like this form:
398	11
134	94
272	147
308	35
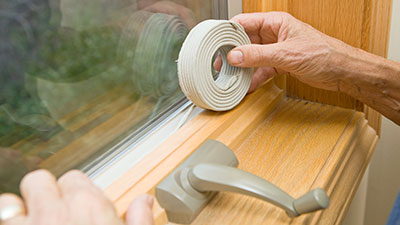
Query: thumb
256	55
139	212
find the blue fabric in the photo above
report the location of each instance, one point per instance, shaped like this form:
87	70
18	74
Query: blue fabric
394	218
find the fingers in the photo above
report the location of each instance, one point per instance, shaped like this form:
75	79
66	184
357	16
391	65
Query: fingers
85	202
139	212
78	189
260	76
218	63
75	181
271	55
11	200
73	199
40	192
265	28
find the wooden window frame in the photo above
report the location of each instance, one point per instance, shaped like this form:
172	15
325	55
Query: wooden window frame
233	128
343	168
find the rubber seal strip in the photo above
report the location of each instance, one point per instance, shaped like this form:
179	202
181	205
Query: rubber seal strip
195	65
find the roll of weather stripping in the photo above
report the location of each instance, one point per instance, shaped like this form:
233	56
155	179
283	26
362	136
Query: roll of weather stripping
195	65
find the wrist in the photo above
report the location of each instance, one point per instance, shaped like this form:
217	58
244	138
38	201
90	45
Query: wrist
373	80
356	68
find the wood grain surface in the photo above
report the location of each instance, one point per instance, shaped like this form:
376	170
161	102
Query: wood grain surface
296	144
375	39
299	147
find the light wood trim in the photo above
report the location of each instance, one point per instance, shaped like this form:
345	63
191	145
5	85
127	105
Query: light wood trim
300	146
375	39
361	153
250	6
376	26
296	144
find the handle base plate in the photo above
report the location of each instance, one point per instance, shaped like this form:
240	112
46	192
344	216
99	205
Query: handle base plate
182	205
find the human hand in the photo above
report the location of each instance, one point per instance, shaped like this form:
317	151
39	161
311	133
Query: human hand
282	44
72	200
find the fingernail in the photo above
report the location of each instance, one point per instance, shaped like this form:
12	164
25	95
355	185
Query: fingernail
150	200
235	57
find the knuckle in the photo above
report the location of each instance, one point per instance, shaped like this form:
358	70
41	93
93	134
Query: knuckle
279	57
286	14
283	15
237	17
259	58
36	176
72	175
82	197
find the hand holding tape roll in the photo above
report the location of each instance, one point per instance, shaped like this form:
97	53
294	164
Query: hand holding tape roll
195	60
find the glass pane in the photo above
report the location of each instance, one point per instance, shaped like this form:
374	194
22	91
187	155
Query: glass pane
79	76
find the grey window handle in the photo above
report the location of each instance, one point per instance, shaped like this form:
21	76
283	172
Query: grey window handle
215	177
212	168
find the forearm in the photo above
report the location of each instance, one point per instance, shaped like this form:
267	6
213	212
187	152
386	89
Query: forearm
373	80
281	43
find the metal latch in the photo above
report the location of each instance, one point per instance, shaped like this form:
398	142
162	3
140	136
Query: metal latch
212	168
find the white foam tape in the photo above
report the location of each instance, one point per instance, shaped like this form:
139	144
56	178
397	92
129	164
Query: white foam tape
195	65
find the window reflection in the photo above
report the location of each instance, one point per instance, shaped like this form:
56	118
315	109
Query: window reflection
77	76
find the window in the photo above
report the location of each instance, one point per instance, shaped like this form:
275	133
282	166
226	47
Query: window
80	79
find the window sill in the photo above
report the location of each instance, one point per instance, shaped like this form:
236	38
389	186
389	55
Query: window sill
295	144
